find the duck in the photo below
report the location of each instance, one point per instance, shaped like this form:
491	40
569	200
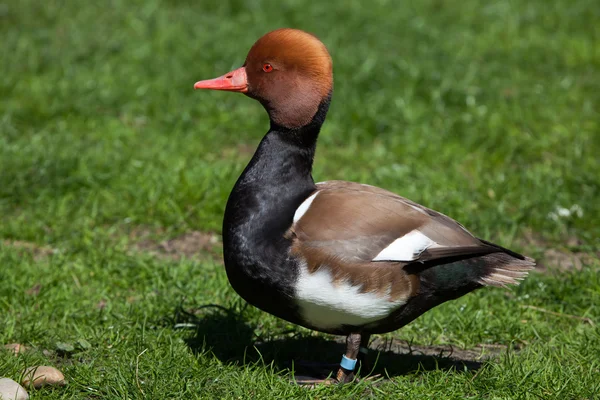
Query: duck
336	257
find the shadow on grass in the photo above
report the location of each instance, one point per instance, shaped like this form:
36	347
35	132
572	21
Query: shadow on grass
225	333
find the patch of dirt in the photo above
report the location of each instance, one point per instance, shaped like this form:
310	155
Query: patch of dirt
391	357
34	290
481	352
39	252
564	260
558	258
190	244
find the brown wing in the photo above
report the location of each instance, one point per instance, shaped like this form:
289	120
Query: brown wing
351	222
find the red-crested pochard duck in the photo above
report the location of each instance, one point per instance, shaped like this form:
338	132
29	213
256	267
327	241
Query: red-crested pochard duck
338	257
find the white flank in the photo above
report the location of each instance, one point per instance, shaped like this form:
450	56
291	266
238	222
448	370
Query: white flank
326	304
304	207
406	248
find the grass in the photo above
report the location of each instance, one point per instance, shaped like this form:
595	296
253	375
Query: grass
486	111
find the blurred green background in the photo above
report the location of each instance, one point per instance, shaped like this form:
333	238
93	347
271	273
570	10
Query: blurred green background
485	111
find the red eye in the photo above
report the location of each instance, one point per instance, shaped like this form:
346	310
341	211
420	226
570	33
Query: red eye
267	68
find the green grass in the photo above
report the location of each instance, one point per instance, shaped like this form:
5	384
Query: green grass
486	111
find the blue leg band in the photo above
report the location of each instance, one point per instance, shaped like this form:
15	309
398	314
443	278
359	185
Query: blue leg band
348	363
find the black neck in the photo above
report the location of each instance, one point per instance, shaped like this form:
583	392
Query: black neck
262	204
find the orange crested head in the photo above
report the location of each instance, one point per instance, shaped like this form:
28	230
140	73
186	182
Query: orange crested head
288	70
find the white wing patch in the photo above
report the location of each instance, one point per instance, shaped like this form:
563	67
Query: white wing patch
406	248
300	211
327	304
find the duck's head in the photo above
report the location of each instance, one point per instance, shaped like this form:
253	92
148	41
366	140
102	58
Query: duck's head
288	70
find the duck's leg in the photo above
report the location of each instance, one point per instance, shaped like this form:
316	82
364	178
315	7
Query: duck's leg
356	349
346	370
363	355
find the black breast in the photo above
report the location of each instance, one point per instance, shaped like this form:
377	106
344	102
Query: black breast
259	212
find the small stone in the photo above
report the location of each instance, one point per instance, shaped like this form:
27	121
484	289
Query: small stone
42	376
16	348
11	390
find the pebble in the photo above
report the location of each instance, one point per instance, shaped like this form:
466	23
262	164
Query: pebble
42	376
16	348
11	390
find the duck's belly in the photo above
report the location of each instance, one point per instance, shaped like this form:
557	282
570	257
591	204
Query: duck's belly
328	305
